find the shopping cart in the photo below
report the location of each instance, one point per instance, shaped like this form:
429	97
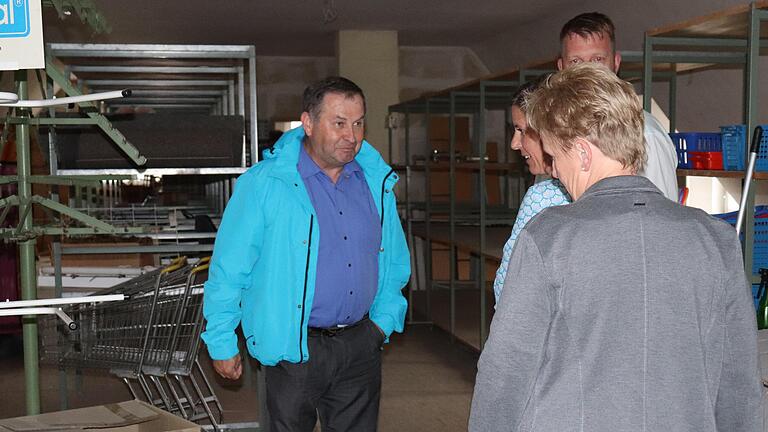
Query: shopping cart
151	338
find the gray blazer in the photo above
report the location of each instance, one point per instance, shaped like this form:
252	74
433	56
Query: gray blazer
623	311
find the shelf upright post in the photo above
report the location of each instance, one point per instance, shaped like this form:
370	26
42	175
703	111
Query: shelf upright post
428	211
452	213
505	146
27	254
751	72
673	99
408	213
647	71
482	196
253	109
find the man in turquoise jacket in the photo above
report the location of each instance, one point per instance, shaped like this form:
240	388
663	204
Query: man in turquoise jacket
310	259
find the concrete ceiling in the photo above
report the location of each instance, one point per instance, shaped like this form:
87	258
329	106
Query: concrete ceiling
297	27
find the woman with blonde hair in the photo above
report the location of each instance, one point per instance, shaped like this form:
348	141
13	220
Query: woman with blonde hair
608	321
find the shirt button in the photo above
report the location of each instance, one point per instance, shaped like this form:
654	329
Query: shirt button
349	265
304	242
341	213
350	293
345	237
381	250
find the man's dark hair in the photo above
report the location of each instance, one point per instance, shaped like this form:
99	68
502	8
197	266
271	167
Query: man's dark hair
313	95
590	24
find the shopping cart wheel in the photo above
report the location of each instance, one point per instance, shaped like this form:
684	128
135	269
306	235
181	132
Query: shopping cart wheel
73	326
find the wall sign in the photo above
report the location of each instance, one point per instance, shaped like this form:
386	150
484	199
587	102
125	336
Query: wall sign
21	35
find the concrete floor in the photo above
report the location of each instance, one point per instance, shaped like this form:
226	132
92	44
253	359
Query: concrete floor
427	385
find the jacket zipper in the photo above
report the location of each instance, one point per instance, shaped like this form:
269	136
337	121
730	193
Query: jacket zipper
304	298
383	182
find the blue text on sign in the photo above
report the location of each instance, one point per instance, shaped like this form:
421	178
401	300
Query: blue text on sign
14	18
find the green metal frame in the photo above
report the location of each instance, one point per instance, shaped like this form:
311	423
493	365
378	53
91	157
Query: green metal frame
490	95
475	99
25	233
745	52
102	122
85	9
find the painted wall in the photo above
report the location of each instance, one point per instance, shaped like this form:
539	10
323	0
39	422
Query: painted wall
371	59
280	82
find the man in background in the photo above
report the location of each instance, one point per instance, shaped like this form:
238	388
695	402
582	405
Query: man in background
591	37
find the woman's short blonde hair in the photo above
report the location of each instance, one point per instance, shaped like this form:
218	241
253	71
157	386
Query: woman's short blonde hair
589	101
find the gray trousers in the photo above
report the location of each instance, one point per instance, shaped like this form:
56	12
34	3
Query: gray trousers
341	383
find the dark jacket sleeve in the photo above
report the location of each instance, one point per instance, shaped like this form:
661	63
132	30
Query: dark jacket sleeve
510	361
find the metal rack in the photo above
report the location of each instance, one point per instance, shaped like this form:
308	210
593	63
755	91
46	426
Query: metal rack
212	79
473	229
473	99
151	338
728	39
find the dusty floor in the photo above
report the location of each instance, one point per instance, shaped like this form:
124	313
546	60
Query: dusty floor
427	385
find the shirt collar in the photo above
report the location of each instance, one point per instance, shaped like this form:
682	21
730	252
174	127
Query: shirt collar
621	184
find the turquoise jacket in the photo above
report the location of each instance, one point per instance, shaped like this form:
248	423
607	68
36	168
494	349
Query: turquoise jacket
262	273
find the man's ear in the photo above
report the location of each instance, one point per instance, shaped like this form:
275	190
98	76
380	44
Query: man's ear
560	63
616	62
306	121
584	148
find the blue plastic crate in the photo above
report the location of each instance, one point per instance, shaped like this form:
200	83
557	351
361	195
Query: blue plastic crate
760	249
686	142
734	151
733	139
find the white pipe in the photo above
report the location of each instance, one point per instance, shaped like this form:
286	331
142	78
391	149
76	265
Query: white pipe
29	311
5	99
60	301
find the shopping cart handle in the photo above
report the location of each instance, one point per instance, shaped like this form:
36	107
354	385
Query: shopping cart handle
175	265
200	268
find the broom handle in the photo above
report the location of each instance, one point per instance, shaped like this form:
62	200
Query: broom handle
753	149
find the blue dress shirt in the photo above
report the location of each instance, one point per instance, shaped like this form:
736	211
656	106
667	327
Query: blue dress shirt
350	237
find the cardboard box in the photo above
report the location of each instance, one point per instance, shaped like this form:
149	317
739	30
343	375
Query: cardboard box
440	128
129	416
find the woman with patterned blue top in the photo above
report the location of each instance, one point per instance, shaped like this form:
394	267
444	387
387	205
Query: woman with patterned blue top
546	192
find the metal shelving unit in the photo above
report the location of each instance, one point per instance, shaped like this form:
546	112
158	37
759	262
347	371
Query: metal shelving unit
478	229
464	227
728	39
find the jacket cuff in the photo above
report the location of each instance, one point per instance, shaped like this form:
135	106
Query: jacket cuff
224	349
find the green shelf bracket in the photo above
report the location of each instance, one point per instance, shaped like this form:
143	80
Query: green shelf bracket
53	121
6	204
8	179
24	235
74	214
85	9
102	122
